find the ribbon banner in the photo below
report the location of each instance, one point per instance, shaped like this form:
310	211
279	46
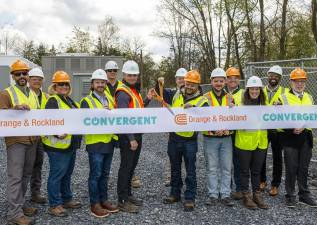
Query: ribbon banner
154	120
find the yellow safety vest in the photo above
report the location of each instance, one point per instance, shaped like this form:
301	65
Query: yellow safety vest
94	103
278	93
136	99
237	97
251	139
289	98
45	97
178	101
17	97
51	140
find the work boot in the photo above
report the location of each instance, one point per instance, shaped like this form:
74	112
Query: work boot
307	200
248	202
257	198
38	199
57	211
211	201
189	205
167	181
72	205
171	200
227	201
274	191
110	207
23	220
128	207
262	186
135	201
29	211
136	182
97	211
237	195
290	202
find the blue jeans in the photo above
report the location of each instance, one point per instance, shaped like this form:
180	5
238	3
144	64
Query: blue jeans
100	165
218	156
176	152
59	179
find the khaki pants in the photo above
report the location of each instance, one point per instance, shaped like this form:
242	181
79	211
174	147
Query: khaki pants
20	162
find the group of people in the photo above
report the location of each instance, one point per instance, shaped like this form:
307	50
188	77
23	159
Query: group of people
246	150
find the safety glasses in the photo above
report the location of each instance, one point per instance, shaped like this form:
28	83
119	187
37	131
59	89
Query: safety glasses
113	70
63	84
19	74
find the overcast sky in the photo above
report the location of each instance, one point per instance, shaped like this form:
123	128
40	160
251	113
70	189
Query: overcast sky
51	21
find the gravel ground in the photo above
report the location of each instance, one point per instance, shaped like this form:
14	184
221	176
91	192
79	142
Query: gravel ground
151	170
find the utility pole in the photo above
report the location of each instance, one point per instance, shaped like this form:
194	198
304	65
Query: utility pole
141	70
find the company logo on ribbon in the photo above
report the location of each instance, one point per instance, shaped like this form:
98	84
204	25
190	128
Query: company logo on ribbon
181	119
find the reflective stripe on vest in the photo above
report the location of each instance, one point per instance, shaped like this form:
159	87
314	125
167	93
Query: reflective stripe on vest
51	140
277	94
45	96
18	97
136	100
98	138
212	100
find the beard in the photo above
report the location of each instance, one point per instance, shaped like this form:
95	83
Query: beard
20	82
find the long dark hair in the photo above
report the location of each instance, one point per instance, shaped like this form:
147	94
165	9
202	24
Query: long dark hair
248	101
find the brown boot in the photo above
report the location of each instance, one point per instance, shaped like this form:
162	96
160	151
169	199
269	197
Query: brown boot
98	211
274	191
38	199
72	205
237	195
129	207
58	211
29	211
262	186
110	207
136	182
23	220
248	202
171	200
257	198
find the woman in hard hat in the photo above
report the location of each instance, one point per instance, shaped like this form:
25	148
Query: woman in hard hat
251	148
61	150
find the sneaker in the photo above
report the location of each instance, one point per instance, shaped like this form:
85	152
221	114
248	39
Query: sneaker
128	207
307	200
211	201
171	200
189	205
290	202
273	191
227	202
135	201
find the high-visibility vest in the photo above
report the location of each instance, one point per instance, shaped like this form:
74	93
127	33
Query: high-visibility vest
251	139
44	99
51	140
135	98
178	101
94	103
281	90
17	97
237	97
291	99
108	93
107	87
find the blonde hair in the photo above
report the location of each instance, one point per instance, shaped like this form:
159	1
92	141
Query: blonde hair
52	89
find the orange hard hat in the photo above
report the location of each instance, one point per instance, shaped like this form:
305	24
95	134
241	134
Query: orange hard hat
60	77
232	71
297	74
19	65
192	76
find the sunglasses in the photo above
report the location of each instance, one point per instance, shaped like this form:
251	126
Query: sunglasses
114	70
132	75
21	74
63	84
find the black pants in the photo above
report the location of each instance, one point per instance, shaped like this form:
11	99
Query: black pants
296	167
250	161
277	152
128	163
36	179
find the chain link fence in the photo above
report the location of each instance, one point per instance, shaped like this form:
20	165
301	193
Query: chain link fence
309	65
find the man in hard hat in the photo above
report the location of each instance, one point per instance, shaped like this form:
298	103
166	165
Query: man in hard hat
218	145
183	145
36	78
128	96
233	88
168	95
100	149
272	92
21	151
297	144
111	69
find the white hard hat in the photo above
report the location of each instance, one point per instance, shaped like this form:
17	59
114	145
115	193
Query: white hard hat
36	72
254	81
218	72
99	74
181	72
276	69
111	65
130	67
